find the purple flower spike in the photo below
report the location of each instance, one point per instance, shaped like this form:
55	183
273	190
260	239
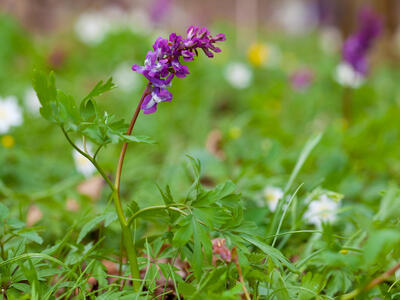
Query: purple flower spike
163	63
356	47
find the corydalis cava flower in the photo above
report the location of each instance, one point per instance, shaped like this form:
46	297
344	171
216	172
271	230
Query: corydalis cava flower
164	62
356	47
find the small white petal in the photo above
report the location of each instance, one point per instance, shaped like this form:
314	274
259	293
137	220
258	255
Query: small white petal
10	114
347	76
31	101
323	209
239	75
82	164
92	27
272	196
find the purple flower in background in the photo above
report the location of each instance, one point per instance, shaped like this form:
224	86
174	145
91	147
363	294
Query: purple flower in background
163	63
301	79
356	46
159	9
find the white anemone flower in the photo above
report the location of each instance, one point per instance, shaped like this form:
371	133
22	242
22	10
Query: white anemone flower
31	101
82	164
239	75
322	210
272	195
92	27
125	78
10	114
347	76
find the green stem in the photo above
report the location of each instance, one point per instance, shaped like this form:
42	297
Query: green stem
2	251
128	242
101	171
131	252
351	295
127	238
97	152
126	232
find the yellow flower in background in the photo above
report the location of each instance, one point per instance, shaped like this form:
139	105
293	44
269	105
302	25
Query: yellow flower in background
258	54
7	141
235	132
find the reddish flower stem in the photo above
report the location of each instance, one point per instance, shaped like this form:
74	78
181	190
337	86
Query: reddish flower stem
127	238
382	277
378	280
125	145
235	259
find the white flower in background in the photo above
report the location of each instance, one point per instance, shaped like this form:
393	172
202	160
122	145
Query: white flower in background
322	210
296	17
92	27
82	164
125	78
10	114
330	40
239	75
31	101
347	76
272	195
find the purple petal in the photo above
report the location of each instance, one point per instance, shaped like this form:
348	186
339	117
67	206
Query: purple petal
138	68
219	37
165	95
146	101
150	110
192	31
